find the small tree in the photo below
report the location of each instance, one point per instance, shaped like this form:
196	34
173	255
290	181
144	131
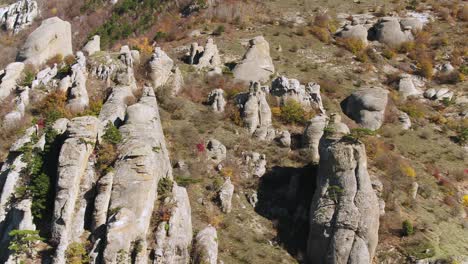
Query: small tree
112	134
22	242
407	228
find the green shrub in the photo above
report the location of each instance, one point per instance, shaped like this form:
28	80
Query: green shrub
77	254
112	134
293	113
407	228
29	74
186	181
359	133
22	242
219	30
164	187
106	154
462	136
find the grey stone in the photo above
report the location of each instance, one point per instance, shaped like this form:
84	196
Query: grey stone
225	195
92	46
367	107
216	100
9	78
206	246
256	64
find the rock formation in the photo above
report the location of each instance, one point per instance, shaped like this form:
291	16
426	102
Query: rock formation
206	246
388	30
256	64
440	94
20	103
53	37
358	32
115	107
74	180
78	99
284	139
256	112
225	195
143	161
216	100
161	65
44	76
410	85
313	133
255	163
93	46
19	15
367	107
9	78
344	215
291	89
216	151
205	58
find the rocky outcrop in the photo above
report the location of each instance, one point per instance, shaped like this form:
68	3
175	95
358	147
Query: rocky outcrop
255	164
225	195
358	32
115	107
101	203
216	151
206	246
256	64
21	101
205	58
367	107
78	99
143	161
19	15
256	112
174	237
216	100
53	37
9	78
161	65
92	46
125	73
410	85
291	89
313	133
344	215
388	30
440	94
284	139
74	180
44	76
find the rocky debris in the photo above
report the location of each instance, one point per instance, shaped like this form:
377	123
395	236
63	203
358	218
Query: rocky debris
9	78
216	151
19	15
92	46
256	64
225	195
367	20
144	160
115	107
353	32
440	94
173	238
308	95
367	106
206	246
78	99
256	112
313	132
410	85
205	58
344	215
53	37
255	163
20	103
388	30
284	139
216	100
161	65
445	68
45	76
72	182
405	120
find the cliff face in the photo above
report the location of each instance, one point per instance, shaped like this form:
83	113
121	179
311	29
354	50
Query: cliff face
344	215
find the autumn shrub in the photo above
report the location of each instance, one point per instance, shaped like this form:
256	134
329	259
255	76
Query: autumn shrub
388	53
292	112
329	86
406	47
414	109
322	27
233	113
321	33
452	77
77	253
29	74
52	107
354	45
57	59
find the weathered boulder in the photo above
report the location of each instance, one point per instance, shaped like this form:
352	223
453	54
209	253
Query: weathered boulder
216	100
92	46
284	139
313	132
9	78
358	32
125	74
405	120
412	23
206	246
256	64
161	65
115	107
205	58
21	101
19	15
367	107
72	175
144	160
291	89
53	37
78	99
255	163
173	238
256	112
388	30
344	215
225	195
45	76
216	151
410	86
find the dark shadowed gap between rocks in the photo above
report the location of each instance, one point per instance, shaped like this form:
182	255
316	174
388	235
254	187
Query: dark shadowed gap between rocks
284	197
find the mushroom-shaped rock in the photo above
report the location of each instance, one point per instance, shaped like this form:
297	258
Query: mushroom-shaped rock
206	246
93	45
367	106
225	195
216	100
344	215
216	151
257	64
52	38
161	65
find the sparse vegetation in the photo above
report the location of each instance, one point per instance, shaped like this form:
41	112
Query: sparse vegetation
22	243
407	228
77	253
